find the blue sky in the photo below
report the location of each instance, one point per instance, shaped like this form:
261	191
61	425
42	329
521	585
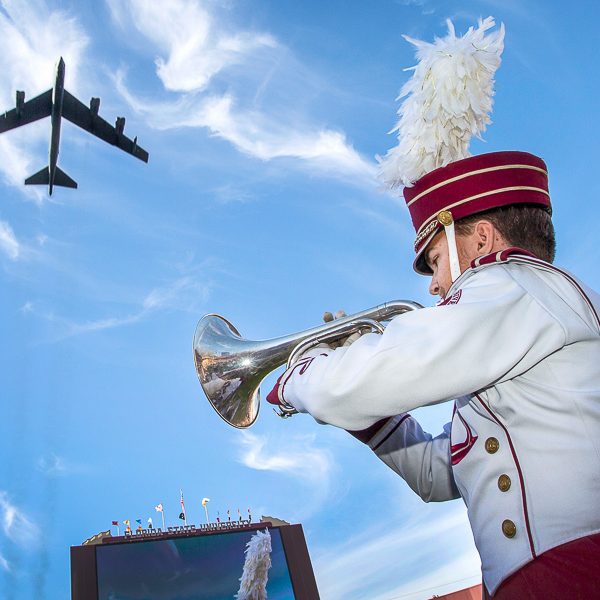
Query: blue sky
263	120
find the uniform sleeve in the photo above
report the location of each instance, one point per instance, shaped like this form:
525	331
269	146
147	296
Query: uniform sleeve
421	460
495	332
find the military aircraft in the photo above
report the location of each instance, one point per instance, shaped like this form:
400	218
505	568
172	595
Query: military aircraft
57	103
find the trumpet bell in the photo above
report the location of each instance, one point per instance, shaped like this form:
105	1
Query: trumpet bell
224	364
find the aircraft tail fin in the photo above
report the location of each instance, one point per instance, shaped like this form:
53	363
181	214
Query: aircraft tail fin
42	177
62	179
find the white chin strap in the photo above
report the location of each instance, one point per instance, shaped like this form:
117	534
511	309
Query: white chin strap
446	219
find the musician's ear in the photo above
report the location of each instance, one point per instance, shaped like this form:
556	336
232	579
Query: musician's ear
485	236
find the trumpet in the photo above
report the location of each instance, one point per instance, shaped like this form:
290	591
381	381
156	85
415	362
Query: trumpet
231	368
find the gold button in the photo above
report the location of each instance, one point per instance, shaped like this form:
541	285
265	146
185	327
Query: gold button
445	218
509	529
492	445
504	483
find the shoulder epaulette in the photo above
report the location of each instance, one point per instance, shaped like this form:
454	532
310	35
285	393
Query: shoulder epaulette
501	256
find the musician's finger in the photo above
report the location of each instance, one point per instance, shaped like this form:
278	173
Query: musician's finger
350	339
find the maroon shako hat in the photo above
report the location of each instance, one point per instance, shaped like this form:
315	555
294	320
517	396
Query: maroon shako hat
470	186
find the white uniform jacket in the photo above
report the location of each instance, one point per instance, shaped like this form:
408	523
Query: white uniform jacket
516	344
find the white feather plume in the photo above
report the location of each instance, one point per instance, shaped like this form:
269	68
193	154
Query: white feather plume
447	101
254	579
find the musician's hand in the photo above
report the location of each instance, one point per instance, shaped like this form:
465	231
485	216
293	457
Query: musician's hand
343	342
273	397
328	317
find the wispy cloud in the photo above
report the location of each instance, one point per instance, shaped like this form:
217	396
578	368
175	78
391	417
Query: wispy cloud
18	249
230	193
409	553
296	457
191	63
65	327
52	465
8	242
15	524
183	294
32	37
57	466
187	293
195	46
253	132
4	563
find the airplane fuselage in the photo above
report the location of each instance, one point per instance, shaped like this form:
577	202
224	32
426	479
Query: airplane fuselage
55	121
57	103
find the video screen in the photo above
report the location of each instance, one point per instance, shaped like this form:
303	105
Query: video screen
207	567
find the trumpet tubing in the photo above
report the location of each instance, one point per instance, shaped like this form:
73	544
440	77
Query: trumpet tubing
231	368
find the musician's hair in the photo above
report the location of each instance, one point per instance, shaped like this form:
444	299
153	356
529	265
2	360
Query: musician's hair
523	225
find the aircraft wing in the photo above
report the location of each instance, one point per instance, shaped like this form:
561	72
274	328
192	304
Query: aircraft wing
78	113
32	110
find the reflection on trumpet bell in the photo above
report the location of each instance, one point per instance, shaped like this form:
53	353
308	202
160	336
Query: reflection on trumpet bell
230	368
224	365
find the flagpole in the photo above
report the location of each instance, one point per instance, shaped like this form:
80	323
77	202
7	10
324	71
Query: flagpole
160	508
205	502
183	508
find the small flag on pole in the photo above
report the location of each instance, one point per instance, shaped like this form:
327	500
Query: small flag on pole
182	515
159	508
205	501
126	522
138	521
115	523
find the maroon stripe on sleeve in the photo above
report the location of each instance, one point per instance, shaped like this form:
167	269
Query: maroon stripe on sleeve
514	454
364	435
391	431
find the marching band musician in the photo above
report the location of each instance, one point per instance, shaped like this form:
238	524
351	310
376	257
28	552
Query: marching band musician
514	342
